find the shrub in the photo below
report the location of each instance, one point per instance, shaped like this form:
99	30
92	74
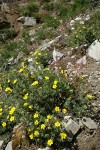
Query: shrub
30	9
40	101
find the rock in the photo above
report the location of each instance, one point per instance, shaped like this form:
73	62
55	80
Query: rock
89	123
29	21
71	127
21	19
94	50
72	22
9	146
5	8
19	137
1	142
78	18
31	65
43	47
67	117
11	60
82	60
57	55
20	55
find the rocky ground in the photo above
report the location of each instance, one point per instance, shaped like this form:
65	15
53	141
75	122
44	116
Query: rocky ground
86	138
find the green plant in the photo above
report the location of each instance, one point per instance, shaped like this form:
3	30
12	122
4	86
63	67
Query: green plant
30	9
40	101
51	21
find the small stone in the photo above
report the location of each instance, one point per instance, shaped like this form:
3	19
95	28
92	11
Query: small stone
21	19
29	21
57	55
89	123
67	117
1	142
9	146
82	60
72	126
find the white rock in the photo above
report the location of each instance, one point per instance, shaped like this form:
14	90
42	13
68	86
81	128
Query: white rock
1	142
21	19
82	60
67	117
57	55
9	146
89	123
72	126
72	22
78	18
94	50
29	21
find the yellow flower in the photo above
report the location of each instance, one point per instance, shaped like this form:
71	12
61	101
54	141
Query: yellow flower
25	96
4	124
50	142
30	106
90	96
0	87
49	117
46	77
12	118
12	110
36	63
42	126
15	81
35	115
39	54
21	69
63	135
57	109
55	82
36	122
54	86
8	89
0	109
36	133
8	80
35	83
25	104
31	136
57	124
64	110
62	71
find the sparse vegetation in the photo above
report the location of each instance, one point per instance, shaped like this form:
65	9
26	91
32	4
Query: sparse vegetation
36	95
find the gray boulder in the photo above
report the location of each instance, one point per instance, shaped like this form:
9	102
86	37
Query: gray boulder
29	21
94	50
